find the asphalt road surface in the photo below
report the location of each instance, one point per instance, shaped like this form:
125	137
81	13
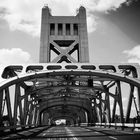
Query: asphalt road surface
74	133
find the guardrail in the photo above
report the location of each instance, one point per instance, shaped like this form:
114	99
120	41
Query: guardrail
14	128
132	126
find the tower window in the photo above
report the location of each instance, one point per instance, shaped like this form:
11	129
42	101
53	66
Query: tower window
60	29
75	27
67	29
52	29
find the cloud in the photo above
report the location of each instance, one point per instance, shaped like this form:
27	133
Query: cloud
14	56
25	15
133	54
107	5
91	23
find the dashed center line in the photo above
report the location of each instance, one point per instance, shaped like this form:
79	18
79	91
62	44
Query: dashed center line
71	134
96	132
113	138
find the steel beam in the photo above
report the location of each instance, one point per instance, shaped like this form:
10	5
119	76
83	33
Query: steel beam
129	103
8	102
30	120
120	101
25	106
114	105
18	105
107	104
15	105
100	108
138	96
1	106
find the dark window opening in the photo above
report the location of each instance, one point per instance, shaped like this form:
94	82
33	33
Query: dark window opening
75	27
67	29
60	29
64	43
52	29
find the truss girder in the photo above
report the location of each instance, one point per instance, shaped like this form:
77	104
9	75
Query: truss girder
39	90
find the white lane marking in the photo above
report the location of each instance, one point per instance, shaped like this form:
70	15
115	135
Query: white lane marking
71	134
96	132
113	138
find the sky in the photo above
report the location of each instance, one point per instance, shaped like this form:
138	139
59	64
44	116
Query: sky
113	29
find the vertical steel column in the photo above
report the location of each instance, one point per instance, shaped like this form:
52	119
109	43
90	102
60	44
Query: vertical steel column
107	104
94	110
129	103
97	111
138	94
83	117
8	102
30	114
90	115
107	108
35	115
17	104
100	108
20	108
114	105
37	118
1	102
86	116
120	101
25	105
98	114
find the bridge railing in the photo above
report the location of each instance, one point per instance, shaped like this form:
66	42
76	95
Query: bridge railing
131	126
15	128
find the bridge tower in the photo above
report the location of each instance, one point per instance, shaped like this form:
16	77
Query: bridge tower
64	38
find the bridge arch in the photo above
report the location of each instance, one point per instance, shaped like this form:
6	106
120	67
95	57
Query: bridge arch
66	80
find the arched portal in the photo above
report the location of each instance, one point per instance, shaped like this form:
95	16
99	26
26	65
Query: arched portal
89	90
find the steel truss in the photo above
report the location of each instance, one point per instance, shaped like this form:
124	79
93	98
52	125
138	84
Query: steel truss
29	92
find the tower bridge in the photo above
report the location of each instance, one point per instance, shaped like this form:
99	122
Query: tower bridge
64	85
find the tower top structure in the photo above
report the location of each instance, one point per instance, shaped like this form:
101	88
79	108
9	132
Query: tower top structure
63	38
